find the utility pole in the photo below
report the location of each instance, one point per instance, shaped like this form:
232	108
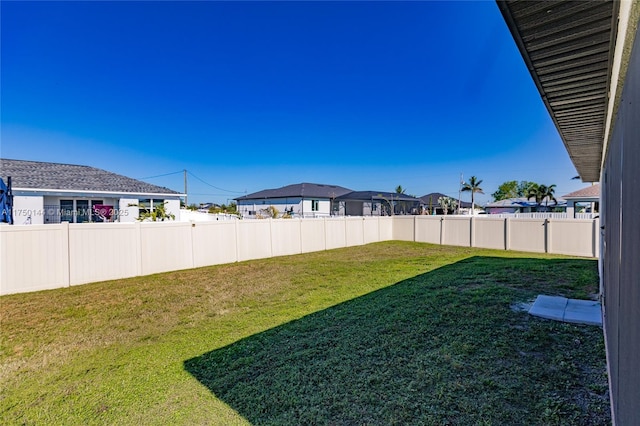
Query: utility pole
186	204
460	191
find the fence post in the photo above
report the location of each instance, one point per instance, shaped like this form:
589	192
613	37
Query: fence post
507	233
472	231
547	235
324	232
192	225
596	233
301	237
271	236
236	224
66	275
441	230
138	238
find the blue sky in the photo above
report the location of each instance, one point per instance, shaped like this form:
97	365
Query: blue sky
255	95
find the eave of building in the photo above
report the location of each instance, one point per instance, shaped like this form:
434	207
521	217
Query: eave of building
568	48
85	193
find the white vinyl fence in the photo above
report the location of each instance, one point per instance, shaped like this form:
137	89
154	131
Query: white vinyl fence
40	257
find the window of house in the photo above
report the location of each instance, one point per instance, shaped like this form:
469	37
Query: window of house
95	217
82	211
314	205
66	211
145	206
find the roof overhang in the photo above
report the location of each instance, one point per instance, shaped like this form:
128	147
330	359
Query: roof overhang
568	48
79	193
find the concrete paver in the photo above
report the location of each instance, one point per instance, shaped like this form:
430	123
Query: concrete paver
568	310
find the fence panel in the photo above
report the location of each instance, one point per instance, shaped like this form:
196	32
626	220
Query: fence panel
253	239
456	231
573	237
403	228
354	231
34	257
335	233
528	235
313	235
370	229
103	251
428	229
385	226
489	233
214	243
165	246
285	237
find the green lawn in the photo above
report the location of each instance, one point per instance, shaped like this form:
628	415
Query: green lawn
387	333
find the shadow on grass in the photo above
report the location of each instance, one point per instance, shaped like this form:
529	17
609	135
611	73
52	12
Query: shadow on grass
440	348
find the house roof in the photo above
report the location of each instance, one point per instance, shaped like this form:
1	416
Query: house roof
434	199
567	47
306	190
376	195
36	175
512	202
591	191
523	202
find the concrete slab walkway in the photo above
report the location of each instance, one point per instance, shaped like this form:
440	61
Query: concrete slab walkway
567	310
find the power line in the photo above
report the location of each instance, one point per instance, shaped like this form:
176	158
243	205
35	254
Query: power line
166	174
208	194
213	186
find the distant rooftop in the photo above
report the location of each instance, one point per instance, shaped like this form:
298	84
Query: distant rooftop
306	190
56	176
377	195
591	191
524	202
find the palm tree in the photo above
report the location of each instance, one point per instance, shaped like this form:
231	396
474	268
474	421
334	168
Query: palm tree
542	193
472	186
549	194
447	203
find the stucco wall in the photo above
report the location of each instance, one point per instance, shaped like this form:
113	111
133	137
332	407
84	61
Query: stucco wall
28	210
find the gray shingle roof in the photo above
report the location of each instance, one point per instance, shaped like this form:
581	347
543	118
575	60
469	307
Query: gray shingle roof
592	191
307	190
56	176
376	195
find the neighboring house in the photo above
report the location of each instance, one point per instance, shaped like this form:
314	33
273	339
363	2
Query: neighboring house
429	203
525	205
510	205
375	203
589	196
53	193
300	200
584	58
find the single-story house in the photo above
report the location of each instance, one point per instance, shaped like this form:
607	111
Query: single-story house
429	203
375	203
300	199
524	205
52	193
510	205
589	195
